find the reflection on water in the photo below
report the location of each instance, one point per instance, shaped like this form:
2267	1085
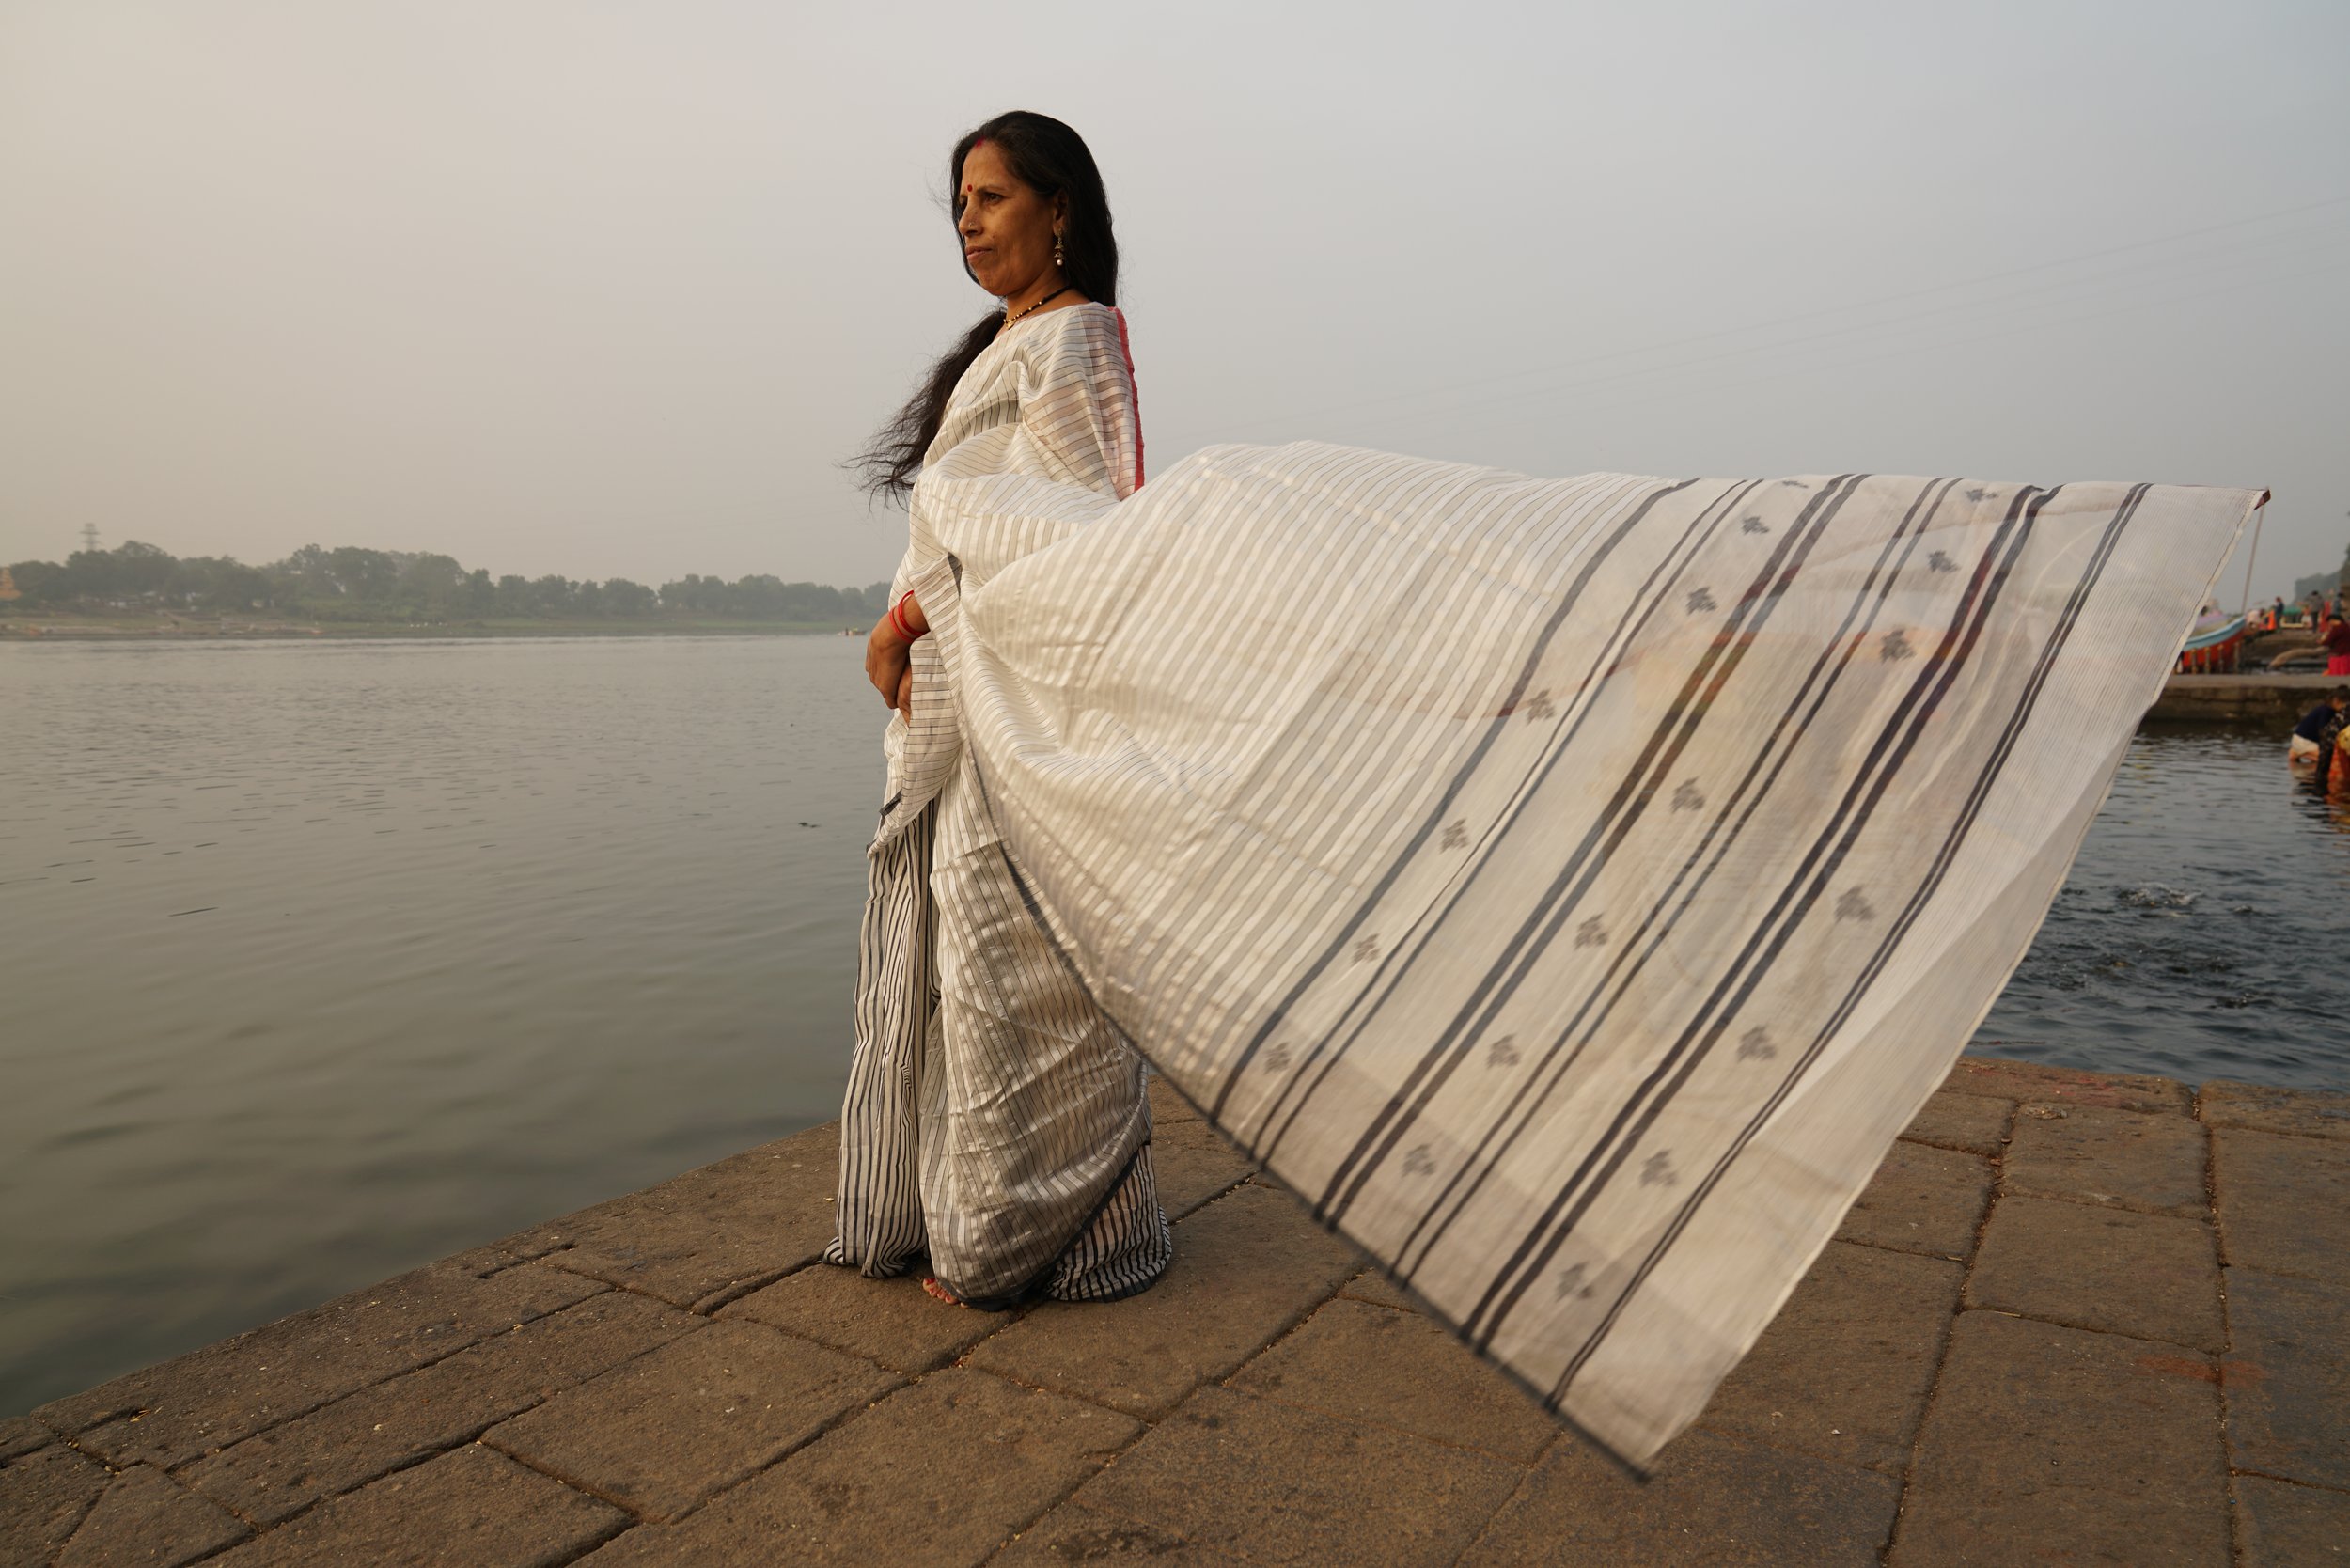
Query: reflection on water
328	960
2205	930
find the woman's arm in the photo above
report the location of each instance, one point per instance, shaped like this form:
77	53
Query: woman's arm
886	649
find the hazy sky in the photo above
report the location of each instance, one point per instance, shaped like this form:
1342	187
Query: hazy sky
609	290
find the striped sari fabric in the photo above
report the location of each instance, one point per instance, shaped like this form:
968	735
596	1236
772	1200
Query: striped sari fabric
1567	887
995	1129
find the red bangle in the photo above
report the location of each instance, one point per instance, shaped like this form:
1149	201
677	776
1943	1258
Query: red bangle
898	618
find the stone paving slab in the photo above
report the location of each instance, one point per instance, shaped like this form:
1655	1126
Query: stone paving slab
1430	1386
2284	1202
2279	1525
144	1516
2113	1158
2309	1113
274	1475
1716	1503
2090	1447
1276	1483
170	1414
1245	1271
1167	1105
709	1235
2150	1275
659	1434
939	1473
1844	1370
2017	1352
1074	1533
471	1507
45	1496
2288	1377
893	1321
1975	1124
1374	1287
1921	1200
1194	1165
2037	1082
23	1435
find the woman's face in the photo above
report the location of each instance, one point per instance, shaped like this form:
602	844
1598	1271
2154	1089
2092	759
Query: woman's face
1006	227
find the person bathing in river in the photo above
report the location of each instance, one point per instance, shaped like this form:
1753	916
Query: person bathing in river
2320	729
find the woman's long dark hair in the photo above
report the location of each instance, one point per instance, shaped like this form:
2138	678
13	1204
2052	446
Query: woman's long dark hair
1051	160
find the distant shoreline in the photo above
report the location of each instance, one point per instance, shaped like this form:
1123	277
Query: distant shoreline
99	629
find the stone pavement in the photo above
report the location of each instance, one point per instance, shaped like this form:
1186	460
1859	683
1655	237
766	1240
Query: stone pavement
2077	1319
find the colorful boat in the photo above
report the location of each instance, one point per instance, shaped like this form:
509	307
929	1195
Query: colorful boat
2216	647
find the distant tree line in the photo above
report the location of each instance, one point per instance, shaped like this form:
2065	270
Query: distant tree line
352	584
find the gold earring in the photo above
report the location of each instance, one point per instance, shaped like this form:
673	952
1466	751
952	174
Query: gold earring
1056	256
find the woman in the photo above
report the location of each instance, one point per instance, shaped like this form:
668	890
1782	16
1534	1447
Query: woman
1568	889
995	1117
2333	635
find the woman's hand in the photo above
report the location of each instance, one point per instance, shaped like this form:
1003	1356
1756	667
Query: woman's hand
888	657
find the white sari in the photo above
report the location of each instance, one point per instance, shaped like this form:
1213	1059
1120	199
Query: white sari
1568	887
995	1121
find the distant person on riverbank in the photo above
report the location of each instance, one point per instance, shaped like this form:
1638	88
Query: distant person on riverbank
2320	729
2335	639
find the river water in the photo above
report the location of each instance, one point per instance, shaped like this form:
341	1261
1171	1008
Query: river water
319	961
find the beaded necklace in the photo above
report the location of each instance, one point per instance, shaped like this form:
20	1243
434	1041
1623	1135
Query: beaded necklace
1011	316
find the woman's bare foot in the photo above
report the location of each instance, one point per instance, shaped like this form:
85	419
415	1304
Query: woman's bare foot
940	1292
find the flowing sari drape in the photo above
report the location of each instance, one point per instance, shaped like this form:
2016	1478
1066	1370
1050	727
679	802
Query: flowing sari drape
1567	887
